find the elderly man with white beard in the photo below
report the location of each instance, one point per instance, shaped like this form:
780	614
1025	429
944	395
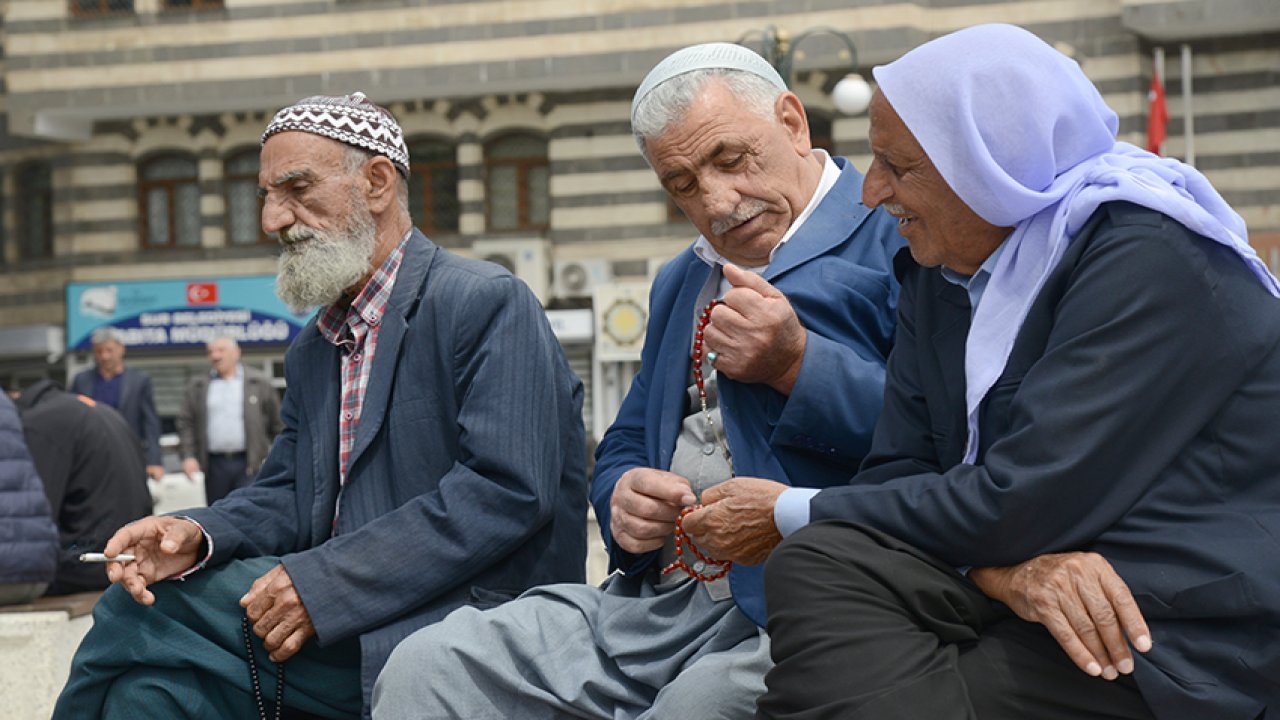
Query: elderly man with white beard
415	473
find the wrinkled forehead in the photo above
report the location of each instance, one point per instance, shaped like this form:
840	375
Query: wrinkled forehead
294	154
887	130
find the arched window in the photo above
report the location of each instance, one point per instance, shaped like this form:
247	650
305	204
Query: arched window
33	222
169	197
244	209
433	185
517	178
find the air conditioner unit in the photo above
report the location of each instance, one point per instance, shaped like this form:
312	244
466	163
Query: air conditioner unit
527	259
578	278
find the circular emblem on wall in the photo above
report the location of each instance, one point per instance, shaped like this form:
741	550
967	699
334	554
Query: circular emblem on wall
624	321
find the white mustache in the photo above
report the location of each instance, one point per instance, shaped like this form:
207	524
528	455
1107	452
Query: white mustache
745	211
894	209
293	235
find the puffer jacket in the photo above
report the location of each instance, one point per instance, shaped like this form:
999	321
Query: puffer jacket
28	537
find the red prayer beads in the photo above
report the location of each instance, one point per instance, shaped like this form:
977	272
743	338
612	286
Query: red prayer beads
698	355
717	569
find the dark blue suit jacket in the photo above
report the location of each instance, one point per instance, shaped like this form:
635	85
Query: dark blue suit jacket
467	479
1135	419
837	272
137	405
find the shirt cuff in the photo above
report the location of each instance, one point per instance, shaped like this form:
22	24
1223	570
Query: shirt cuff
791	511
208	542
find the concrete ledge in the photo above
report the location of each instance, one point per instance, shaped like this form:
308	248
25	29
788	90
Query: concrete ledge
73	605
37	641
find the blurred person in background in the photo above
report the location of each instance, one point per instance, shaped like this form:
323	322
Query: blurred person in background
228	419
125	389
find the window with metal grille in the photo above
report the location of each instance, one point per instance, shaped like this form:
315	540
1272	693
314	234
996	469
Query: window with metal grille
433	185
169	201
33	221
100	7
192	4
517	182
244	207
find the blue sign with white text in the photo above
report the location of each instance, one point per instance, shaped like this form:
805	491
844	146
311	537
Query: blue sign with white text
182	313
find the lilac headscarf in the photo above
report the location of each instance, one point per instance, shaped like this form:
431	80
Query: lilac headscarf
1025	140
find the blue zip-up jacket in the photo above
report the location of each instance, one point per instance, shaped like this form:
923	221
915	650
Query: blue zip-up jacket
28	537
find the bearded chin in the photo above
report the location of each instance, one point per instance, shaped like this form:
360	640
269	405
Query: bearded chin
321	265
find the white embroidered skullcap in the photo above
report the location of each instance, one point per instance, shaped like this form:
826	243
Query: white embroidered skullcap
351	119
708	56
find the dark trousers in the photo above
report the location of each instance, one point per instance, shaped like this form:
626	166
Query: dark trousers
185	657
863	626
225	472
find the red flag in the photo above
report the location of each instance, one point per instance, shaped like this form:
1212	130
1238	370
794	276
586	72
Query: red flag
202	293
1157	115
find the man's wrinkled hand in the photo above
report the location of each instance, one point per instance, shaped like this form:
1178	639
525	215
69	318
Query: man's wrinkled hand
755	333
1083	603
644	507
162	547
735	522
277	614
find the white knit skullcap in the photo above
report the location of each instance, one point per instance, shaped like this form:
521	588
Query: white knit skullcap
352	119
708	56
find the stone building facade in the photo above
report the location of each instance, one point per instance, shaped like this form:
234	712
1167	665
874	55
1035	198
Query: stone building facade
130	128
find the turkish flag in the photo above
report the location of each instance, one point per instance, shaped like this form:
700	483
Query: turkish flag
1157	115
202	293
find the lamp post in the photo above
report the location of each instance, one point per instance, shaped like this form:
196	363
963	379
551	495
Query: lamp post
851	94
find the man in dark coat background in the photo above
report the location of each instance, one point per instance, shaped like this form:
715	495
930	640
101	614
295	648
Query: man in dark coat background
125	389
94	476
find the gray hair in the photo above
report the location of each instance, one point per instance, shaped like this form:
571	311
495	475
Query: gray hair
354	158
106	334
667	103
224	338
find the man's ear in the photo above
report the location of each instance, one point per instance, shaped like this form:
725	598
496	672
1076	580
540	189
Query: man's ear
790	113
382	177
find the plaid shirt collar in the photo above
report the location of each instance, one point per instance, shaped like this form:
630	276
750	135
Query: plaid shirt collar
337	323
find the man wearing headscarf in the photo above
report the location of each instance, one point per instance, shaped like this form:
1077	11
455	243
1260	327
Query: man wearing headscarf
790	391
1080	398
432	456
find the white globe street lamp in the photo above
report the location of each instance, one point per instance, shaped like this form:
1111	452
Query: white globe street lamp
851	95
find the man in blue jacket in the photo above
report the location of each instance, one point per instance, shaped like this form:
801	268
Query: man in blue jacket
783	377
432	456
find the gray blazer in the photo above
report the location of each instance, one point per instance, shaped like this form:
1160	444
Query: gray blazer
261	419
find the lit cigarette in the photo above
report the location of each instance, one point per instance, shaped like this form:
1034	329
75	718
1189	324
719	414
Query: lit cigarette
100	558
